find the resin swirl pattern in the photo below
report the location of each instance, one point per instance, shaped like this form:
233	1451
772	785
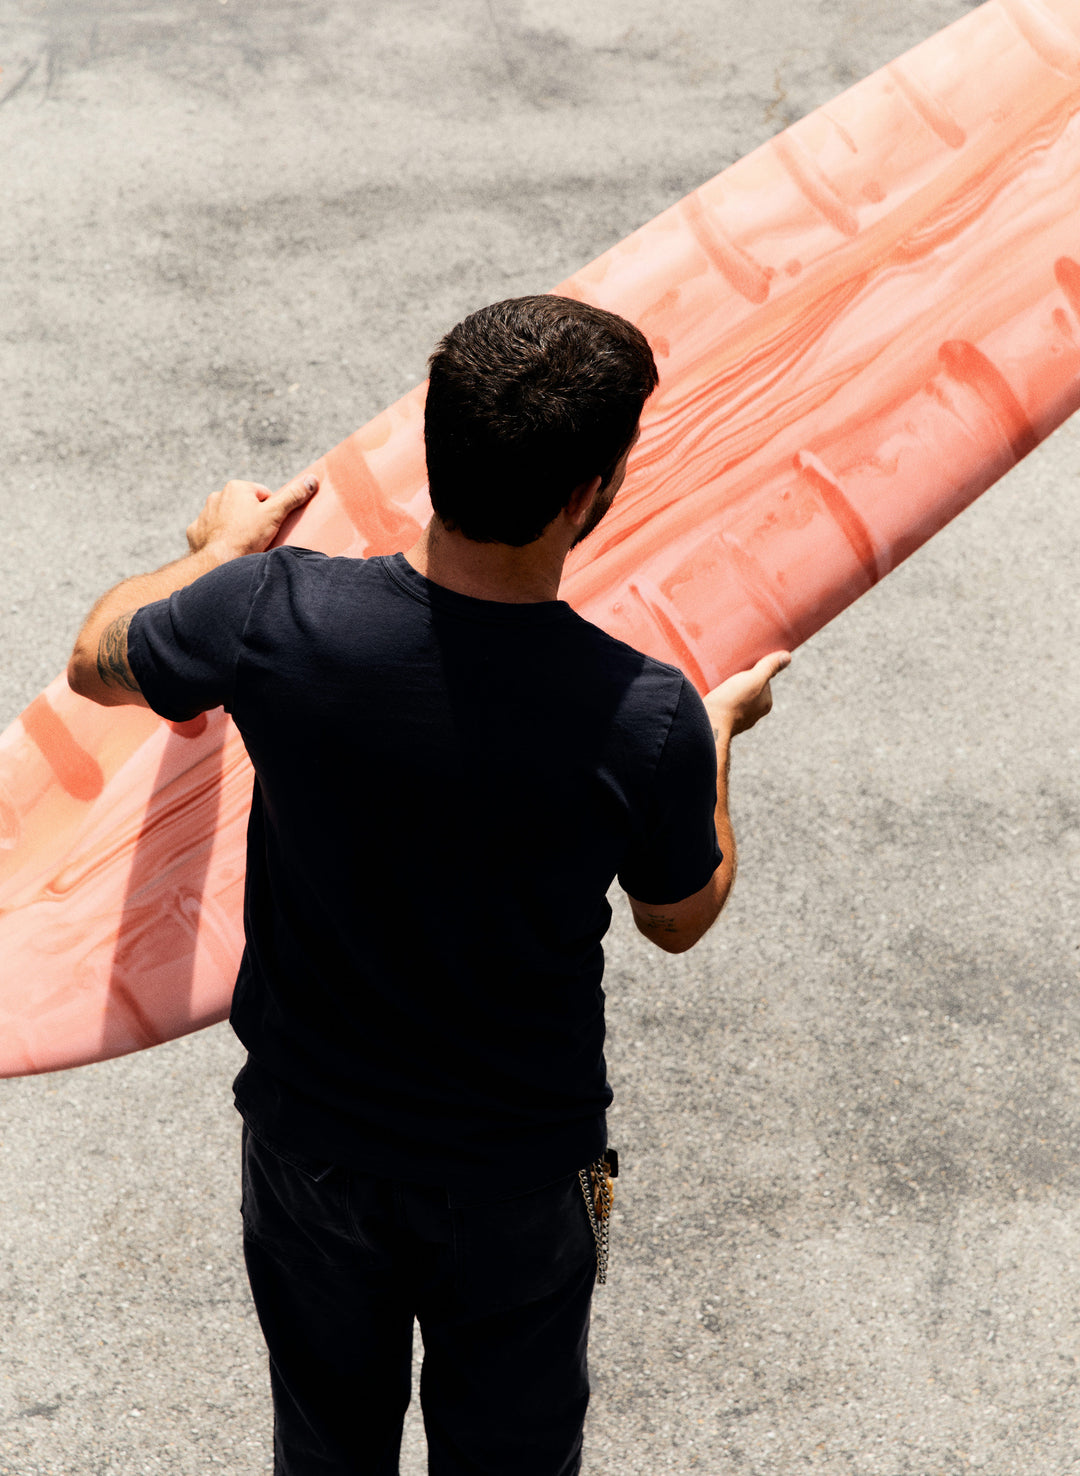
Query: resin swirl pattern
860	327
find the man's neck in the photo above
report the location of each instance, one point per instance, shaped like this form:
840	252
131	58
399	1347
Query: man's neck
490	571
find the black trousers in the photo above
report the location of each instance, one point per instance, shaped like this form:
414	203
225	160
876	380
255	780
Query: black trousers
340	1263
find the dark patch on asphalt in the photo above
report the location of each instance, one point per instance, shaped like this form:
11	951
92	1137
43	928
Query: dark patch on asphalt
40	1411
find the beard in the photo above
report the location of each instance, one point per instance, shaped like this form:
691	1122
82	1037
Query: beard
603	500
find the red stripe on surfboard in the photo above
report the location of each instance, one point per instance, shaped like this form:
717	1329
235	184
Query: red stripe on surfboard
932	110
76	770
835	501
385	525
1067	274
747	276
1052	43
969	365
806	173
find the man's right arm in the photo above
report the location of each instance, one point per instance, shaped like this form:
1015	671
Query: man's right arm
733	707
243	518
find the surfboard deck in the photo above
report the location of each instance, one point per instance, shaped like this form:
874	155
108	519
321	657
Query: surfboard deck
859	327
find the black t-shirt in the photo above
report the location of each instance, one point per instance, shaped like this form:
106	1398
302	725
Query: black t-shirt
445	790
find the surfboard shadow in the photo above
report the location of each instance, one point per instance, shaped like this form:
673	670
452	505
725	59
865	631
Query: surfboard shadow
150	991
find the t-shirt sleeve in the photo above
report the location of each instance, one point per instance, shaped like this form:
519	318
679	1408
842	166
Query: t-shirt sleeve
183	650
676	851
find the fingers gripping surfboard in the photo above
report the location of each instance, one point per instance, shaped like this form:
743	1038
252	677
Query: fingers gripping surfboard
859	327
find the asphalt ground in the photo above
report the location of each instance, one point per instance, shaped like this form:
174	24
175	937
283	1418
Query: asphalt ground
846	1235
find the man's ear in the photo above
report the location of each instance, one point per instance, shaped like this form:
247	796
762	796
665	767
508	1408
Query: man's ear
581	500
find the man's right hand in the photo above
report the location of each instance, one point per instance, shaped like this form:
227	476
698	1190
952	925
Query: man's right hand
737	704
244	517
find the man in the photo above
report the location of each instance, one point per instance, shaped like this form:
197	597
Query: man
451	769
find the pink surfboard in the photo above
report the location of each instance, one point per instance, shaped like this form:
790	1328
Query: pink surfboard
860	327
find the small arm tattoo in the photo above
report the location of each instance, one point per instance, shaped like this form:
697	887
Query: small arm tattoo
659	922
112	657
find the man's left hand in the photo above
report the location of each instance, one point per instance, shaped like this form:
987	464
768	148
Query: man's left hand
244	517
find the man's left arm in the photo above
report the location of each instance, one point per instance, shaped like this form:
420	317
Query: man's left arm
242	518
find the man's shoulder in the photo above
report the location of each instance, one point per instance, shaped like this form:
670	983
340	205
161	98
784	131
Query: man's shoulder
619	656
647	694
290	594
292	567
287	557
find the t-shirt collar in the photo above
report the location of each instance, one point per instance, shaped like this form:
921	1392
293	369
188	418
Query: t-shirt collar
401	572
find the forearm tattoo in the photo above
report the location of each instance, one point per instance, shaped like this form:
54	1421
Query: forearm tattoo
112	657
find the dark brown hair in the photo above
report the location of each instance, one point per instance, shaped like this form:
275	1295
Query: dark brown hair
527	399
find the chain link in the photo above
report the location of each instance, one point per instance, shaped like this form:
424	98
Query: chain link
598	1187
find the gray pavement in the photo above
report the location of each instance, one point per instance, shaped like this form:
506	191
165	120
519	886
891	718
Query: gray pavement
848	1231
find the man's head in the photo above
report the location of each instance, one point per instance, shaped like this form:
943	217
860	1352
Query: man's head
527	400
